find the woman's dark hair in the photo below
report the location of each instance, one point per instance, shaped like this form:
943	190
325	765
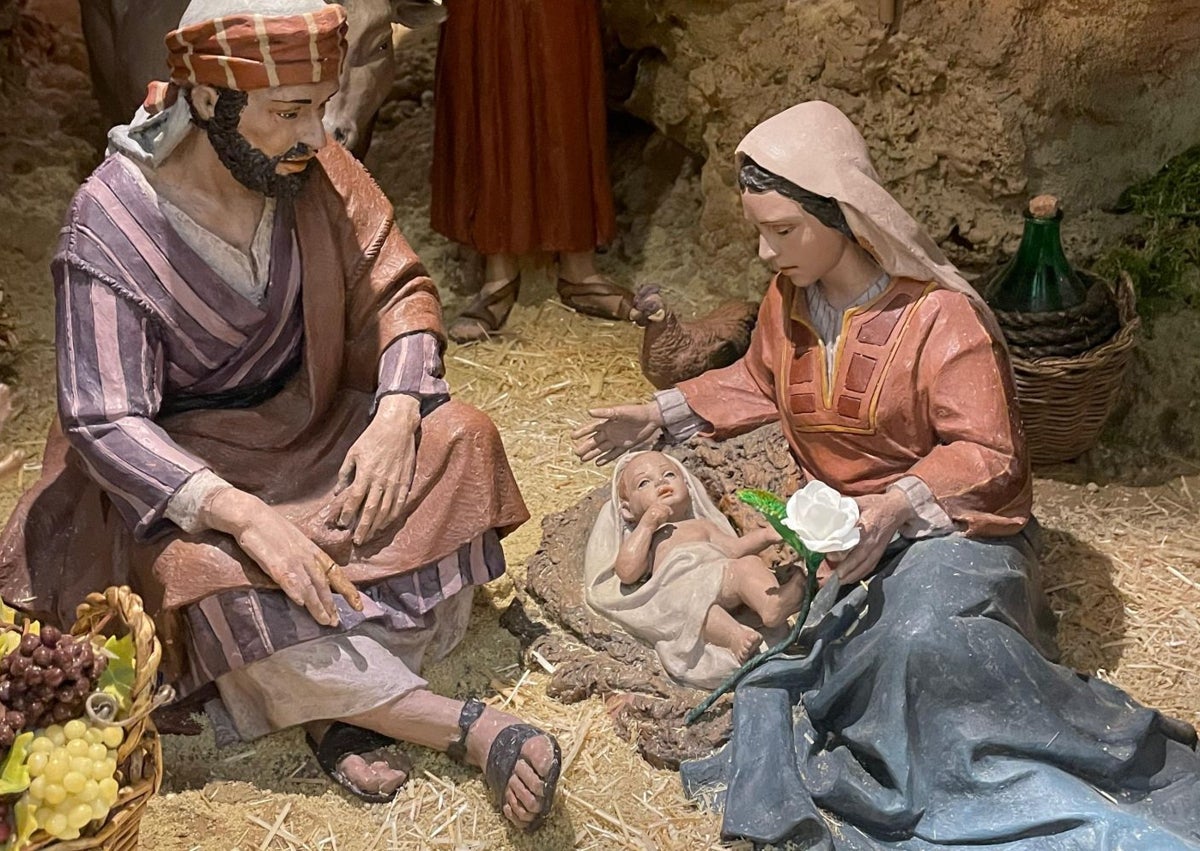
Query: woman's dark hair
754	178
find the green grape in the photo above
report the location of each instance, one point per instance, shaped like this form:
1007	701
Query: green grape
41	744
56	825
54	794
77	746
57	766
79	815
107	768
113	736
74	782
37	763
90	791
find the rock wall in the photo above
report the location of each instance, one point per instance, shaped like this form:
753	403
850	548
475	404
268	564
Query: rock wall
969	106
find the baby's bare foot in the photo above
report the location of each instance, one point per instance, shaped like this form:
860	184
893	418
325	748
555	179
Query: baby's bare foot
745	644
724	630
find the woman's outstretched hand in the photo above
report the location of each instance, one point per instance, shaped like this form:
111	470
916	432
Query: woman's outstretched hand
614	431
880	517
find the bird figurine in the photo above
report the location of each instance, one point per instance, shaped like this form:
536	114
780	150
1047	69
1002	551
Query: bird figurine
675	350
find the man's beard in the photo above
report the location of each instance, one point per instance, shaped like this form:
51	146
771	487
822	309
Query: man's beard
249	165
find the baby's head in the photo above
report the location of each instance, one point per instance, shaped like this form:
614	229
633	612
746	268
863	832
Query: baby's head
649	478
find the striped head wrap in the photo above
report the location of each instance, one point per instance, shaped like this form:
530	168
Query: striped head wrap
251	51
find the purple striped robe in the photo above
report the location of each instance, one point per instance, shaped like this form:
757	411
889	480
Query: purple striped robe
155	332
145	327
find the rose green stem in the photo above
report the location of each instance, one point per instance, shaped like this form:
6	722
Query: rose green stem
812	561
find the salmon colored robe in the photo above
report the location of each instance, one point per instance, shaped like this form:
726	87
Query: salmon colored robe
920	389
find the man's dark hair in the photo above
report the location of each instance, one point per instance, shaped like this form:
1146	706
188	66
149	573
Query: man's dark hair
754	178
252	168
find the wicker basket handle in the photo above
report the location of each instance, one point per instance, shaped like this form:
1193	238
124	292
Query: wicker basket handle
92	615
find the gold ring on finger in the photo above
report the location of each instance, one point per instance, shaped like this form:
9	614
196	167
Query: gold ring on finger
329	567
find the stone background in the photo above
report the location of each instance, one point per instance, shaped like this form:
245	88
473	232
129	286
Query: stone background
969	106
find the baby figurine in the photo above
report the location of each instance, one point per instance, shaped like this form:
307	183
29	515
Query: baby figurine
664	563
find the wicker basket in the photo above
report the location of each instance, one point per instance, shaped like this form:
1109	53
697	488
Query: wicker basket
1065	401
139	758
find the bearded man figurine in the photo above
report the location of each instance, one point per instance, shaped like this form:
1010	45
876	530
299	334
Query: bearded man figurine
253	428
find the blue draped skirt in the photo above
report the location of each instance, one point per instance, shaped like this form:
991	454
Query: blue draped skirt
924	712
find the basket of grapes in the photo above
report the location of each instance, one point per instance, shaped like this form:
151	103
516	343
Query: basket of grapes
80	756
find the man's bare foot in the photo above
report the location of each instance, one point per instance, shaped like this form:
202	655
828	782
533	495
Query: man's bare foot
525	795
375	773
722	629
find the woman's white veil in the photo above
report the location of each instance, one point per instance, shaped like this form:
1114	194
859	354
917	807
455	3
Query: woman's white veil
815	146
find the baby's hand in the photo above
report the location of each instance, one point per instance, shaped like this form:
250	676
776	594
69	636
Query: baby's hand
656	515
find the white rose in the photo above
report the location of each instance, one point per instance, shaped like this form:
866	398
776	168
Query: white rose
825	521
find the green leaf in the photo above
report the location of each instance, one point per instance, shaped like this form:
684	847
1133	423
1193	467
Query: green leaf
14	775
9	642
11	638
764	502
26	824
117	678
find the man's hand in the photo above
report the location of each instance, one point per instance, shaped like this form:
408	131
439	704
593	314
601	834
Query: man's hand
374	480
615	430
299	567
880	517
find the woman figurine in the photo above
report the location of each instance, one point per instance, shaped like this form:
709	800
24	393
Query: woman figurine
925	710
520	162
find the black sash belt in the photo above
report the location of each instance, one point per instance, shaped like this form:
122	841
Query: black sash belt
238	397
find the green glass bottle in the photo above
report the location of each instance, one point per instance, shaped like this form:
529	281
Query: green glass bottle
1038	278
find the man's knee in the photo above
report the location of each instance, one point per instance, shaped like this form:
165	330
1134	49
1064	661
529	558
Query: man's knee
467	427
463	420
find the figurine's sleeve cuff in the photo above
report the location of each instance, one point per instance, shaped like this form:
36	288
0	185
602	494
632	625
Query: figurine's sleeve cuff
183	508
679	420
931	520
412	365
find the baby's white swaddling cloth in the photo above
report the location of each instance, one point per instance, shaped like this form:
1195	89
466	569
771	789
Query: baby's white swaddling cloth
666	611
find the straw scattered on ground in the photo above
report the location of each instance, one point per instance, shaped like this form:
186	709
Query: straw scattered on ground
1122	566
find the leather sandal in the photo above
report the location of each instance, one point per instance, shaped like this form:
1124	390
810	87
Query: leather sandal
587	298
503	756
479	316
342	740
